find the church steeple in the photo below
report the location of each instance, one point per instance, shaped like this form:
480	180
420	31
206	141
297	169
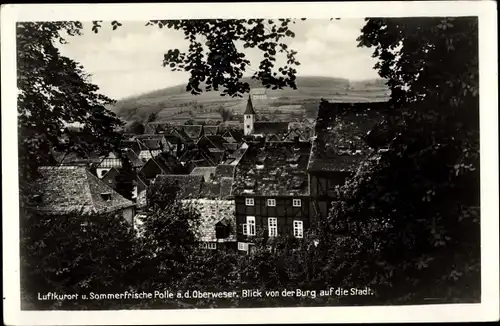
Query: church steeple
249	117
249	109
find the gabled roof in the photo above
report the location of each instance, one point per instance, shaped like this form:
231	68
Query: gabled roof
217	141
189	185
149	144
75	190
273	169
134	159
73	158
293	134
249	109
156	127
270	127
210	130
193	131
131	144
111	173
207	172
340	132
181	134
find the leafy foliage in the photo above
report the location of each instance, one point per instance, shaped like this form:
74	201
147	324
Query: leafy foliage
214	61
412	213
225	113
54	92
136	128
74	254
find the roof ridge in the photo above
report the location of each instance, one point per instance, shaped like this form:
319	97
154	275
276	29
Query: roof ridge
88	173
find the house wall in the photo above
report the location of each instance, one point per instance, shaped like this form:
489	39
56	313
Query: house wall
212	211
248	122
283	211
322	190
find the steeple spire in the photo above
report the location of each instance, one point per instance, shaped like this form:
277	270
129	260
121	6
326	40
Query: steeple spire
249	109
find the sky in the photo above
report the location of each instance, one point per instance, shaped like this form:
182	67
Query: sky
128	60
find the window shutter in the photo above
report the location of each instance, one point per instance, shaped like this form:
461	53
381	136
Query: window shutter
245	229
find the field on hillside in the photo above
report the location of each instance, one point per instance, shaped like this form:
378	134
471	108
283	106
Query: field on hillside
177	105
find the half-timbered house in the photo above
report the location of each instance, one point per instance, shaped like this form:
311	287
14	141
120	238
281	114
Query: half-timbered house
338	148
271	191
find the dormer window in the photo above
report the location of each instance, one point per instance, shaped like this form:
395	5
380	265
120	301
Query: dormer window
106	196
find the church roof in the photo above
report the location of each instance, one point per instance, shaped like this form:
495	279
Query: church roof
249	109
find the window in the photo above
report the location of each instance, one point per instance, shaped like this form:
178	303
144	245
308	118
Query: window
251	225
243	246
297	203
298	229
249	201
272	224
271	202
212	245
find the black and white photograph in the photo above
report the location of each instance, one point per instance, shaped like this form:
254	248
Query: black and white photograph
257	162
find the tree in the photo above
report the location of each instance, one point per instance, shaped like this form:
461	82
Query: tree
214	60
136	128
152	116
54	92
412	213
225	113
74	254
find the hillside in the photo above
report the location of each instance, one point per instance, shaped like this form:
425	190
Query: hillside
174	103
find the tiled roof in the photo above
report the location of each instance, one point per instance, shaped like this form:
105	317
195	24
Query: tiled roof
159	127
340	132
231	147
224	170
73	158
217	140
207	172
193	131
230	125
149	144
134	159
210	190
73	189
181	134
225	187
270	127
189	185
273	169
210	130
131	144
